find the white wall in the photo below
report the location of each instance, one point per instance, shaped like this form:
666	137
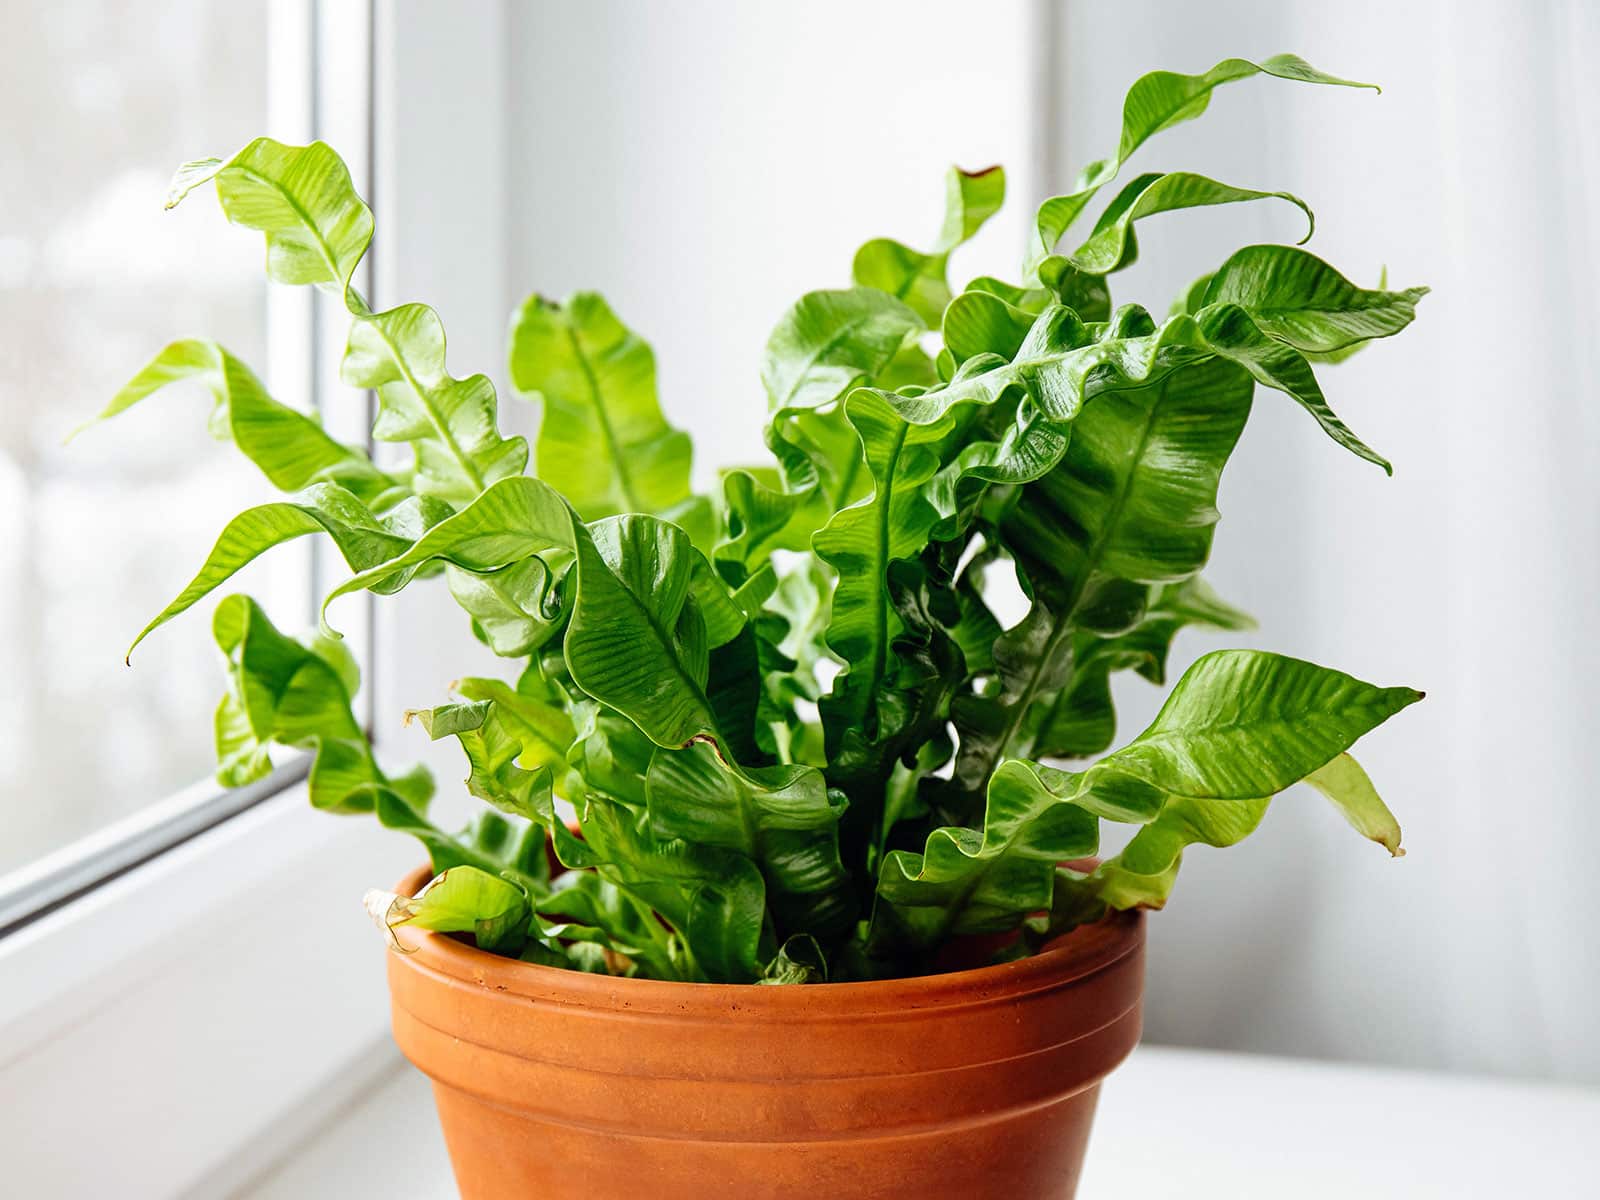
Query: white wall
703	164
1472	573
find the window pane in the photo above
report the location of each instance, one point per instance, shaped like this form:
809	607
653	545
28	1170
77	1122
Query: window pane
103	101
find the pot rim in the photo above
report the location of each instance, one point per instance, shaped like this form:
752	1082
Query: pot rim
1080	952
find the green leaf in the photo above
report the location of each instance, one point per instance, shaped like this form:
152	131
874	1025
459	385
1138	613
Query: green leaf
1111	247
1086	294
290	448
782	818
829	342
1348	788
1143	874
1134	497
464	900
449	423
799	960
979	322
859	543
734	687
1157	102
190	176
1297	298
362	539
611	755
1232	332
290	693
971	198
1032	300
531	713
515	610
1242	724
826	344
317	230
493	745
970	881
592	907
720	605
512	520
763	515
1132	503
713	897
603	442
1081	721
636	639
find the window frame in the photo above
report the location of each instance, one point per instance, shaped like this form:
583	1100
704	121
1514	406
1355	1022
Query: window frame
315	49
197	983
48	883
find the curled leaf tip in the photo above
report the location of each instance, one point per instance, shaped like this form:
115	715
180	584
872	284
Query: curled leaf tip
388	909
1311	218
134	645
324	628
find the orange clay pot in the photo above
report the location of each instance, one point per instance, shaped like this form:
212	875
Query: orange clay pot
559	1085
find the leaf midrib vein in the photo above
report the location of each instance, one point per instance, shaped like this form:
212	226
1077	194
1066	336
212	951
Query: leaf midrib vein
592	382
361	310
811	360
1064	625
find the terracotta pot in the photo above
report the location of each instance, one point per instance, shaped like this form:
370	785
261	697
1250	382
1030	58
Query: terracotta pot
976	1084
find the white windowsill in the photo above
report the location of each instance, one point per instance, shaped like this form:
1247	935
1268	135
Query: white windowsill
1171	1122
229	988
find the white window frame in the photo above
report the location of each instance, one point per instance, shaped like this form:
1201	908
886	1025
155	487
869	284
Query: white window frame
203	989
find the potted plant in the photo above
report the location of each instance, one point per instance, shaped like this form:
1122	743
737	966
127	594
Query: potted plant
777	736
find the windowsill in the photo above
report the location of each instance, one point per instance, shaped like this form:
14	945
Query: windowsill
1196	1123
229	988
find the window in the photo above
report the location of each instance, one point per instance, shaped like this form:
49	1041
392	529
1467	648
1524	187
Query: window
198	1013
104	765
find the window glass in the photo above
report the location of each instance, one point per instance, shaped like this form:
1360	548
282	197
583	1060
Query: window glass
103	100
